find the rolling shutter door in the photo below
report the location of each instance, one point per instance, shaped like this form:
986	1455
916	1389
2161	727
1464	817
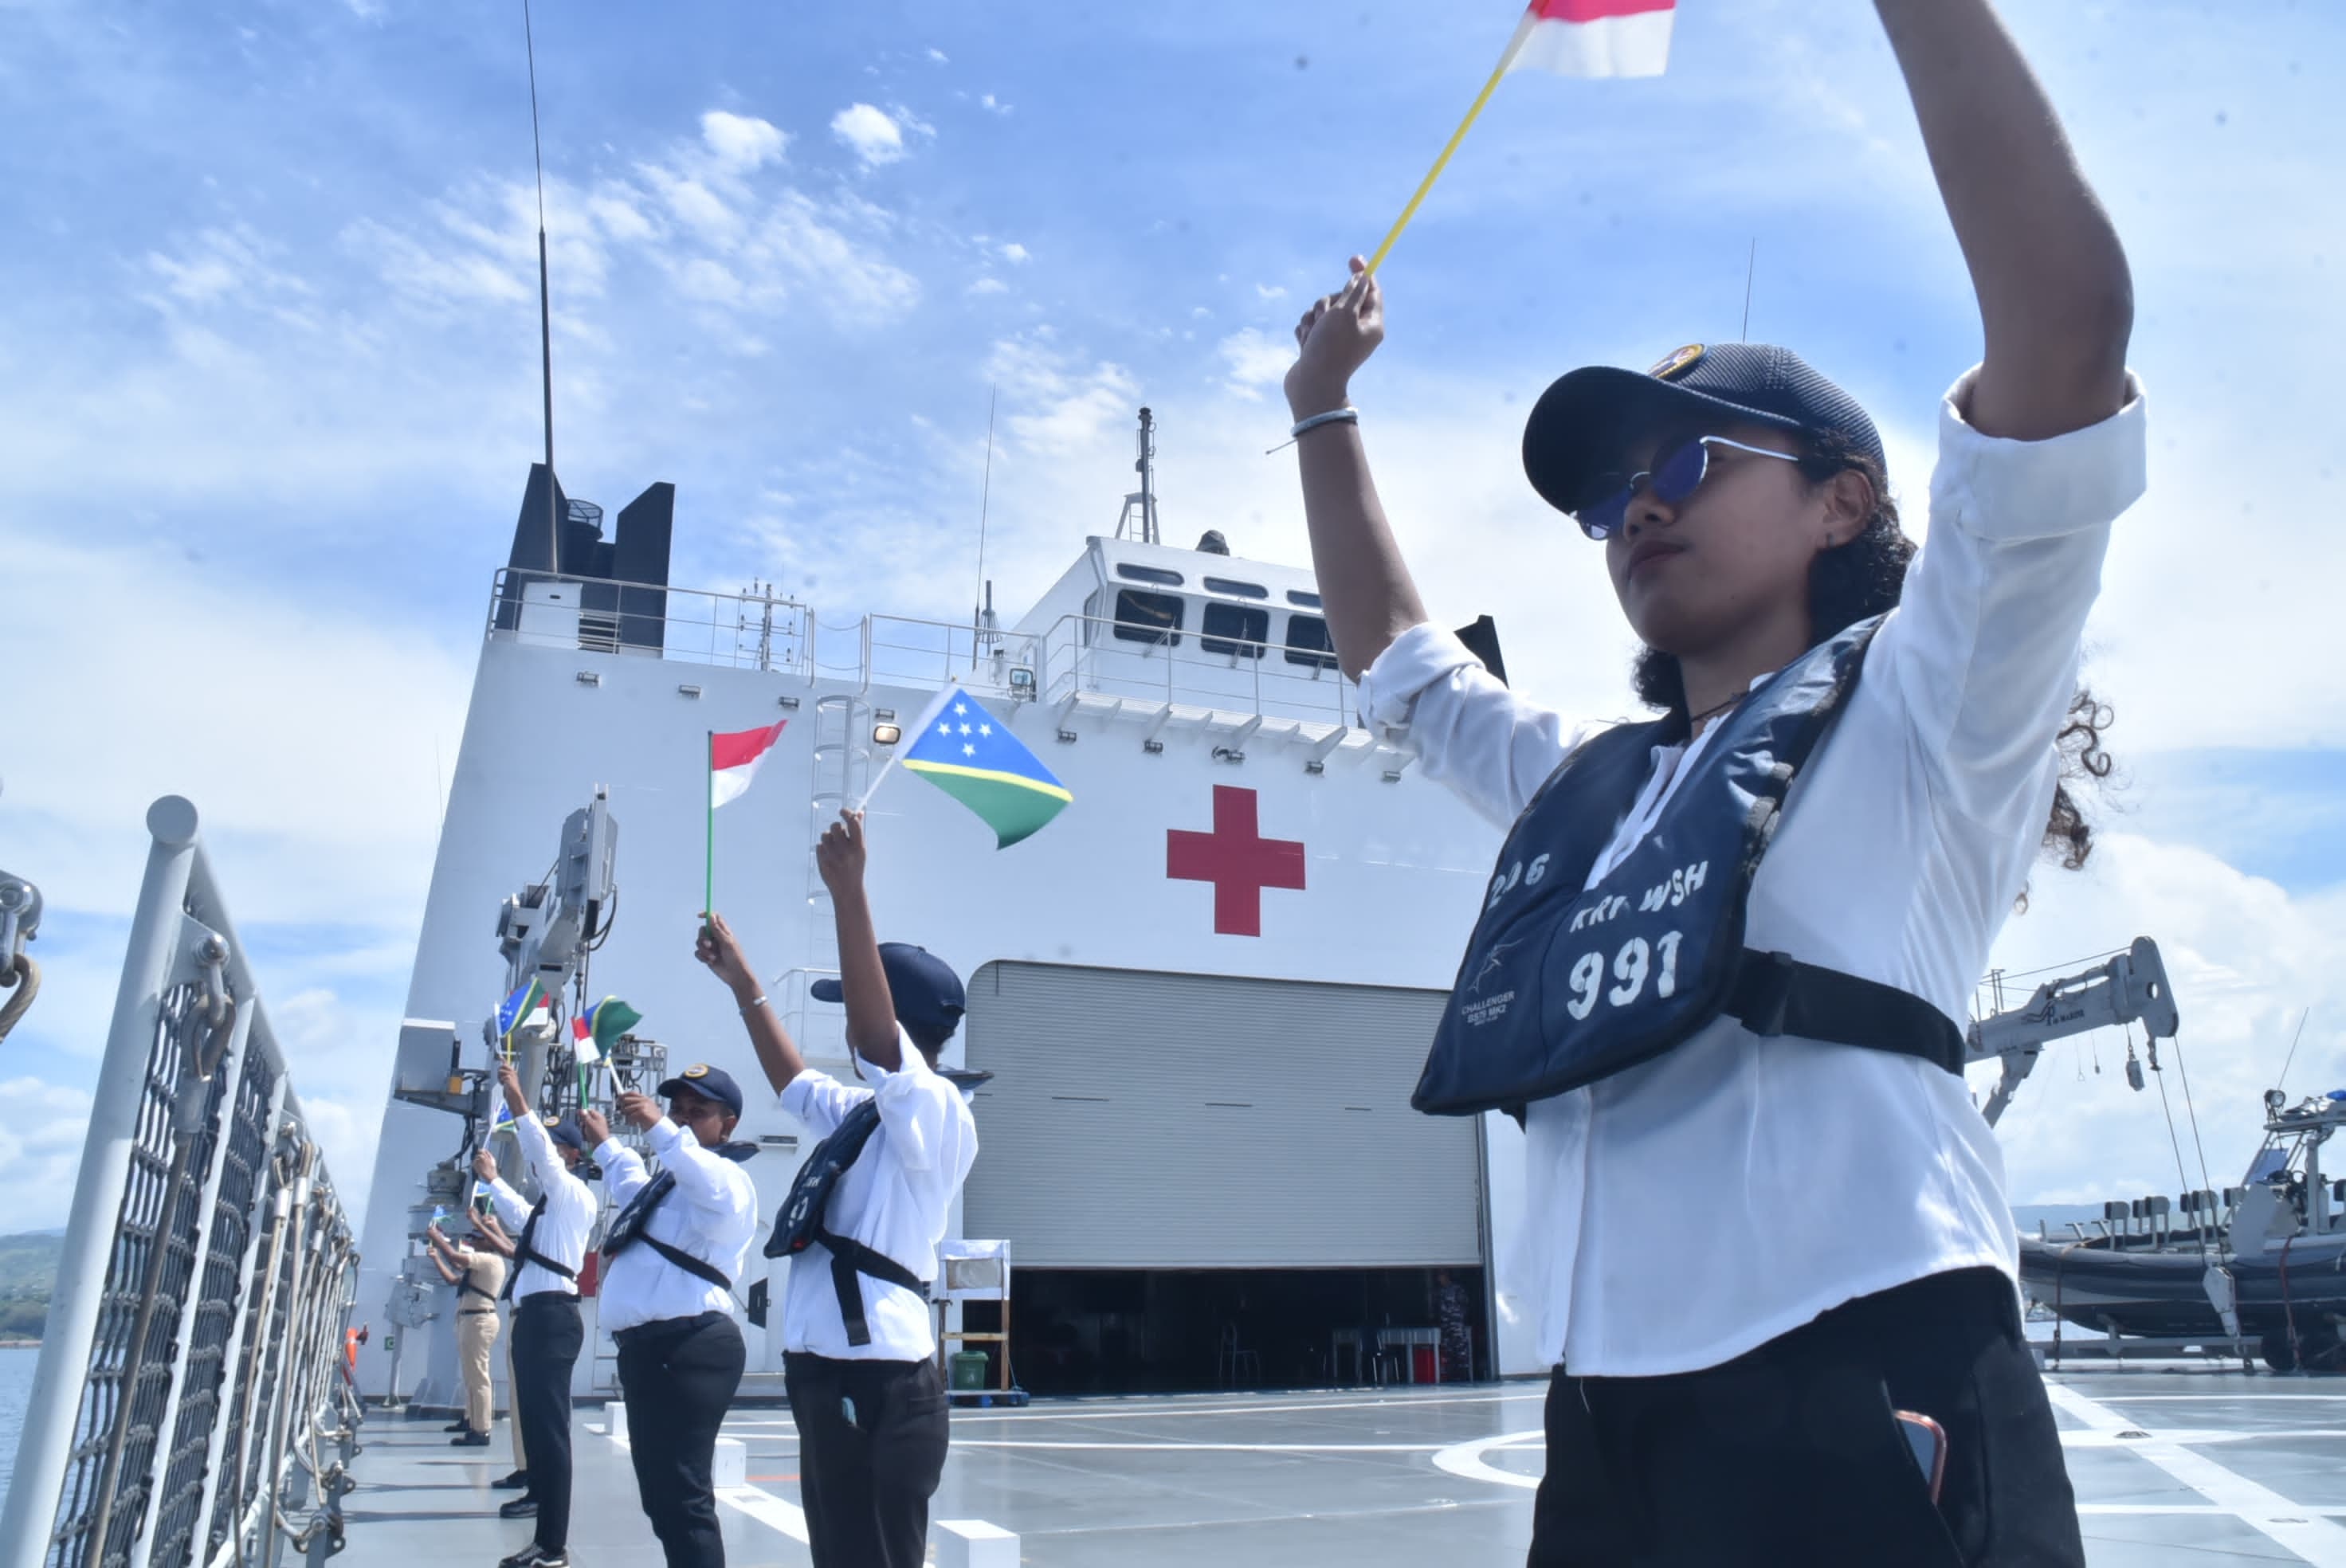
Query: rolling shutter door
1142	1120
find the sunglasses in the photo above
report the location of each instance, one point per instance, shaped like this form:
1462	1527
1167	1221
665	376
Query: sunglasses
1678	473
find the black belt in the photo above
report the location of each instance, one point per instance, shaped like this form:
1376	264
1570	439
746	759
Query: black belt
478	1312
535	1297
668	1327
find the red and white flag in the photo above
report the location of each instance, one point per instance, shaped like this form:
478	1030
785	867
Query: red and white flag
733	760
1594	37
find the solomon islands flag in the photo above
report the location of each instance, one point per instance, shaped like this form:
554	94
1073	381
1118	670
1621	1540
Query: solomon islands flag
965	751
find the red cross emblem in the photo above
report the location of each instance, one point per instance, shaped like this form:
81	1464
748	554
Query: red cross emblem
1236	858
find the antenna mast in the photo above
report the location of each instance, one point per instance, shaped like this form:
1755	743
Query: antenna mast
1145	498
985	501
544	307
1751	271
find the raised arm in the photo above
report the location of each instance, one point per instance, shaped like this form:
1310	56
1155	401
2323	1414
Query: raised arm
432	1251
1364	585
720	950
492	1235
2055	298
872	1031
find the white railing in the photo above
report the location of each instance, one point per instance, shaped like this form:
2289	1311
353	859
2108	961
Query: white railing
1078	657
1083	656
189	1409
602	615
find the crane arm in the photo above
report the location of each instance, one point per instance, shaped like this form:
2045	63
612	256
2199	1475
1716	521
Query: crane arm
2130	988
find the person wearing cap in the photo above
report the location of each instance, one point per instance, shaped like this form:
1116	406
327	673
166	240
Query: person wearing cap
478	1273
860	1347
1728	1395
677	1247
549	1248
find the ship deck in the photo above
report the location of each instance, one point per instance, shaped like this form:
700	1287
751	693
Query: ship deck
2173	1464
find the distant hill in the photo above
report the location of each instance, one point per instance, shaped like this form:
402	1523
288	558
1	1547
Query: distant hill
29	1273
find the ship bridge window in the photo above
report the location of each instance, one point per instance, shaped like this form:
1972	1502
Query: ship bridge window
1298	596
1146	617
1163	574
1308	642
1237	589
1239	629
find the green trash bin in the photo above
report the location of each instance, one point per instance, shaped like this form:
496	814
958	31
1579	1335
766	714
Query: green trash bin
968	1370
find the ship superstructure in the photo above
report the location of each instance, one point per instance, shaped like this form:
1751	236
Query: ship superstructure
1204	991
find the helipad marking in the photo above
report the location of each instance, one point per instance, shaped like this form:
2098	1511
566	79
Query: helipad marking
2302	1530
1466	1459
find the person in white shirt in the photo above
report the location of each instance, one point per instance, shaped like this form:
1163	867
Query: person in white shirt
1748	1250
678	1246
549	1248
860	1347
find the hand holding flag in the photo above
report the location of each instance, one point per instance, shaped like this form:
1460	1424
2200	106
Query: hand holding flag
1575	38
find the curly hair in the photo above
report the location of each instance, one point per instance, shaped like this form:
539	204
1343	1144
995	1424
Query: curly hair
1867	576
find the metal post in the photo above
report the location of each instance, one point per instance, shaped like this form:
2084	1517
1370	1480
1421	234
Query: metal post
54	1408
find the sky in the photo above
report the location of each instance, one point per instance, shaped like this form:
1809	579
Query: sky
268	392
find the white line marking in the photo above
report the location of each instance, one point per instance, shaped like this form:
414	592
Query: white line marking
1206	1447
761	1505
2123	1399
1126	1414
2300	1529
767	1508
1466	1459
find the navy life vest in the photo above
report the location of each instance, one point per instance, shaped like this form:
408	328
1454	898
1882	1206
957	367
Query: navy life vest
524	1253
799	1225
1564	984
627	1226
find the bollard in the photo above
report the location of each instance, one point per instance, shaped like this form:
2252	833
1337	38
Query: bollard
975	1544
730	1470
616	1415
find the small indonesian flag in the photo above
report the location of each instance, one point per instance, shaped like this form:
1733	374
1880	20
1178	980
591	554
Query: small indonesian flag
1594	37
582	1042
733	760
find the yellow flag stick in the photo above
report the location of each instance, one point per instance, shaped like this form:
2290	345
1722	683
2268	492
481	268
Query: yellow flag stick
1456	136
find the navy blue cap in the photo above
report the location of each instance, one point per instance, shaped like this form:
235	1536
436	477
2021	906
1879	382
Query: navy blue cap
1574	440
710	1083
563	1130
927	992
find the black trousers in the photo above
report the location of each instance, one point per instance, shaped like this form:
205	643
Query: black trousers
872	1447
1792	1453
546	1337
678	1376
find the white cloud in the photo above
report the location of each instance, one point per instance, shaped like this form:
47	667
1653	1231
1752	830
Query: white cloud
1269	291
869	133
994	105
223	263
938	56
305	817
40	1148
1256	360
741	142
988	286
1061	405
696	206
708	282
1013	251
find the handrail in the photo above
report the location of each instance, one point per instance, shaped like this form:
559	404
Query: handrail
155	1435
1074	655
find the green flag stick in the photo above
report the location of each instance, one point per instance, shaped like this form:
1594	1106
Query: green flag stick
708	870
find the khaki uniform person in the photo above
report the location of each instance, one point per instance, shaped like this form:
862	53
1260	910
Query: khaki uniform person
478	1273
